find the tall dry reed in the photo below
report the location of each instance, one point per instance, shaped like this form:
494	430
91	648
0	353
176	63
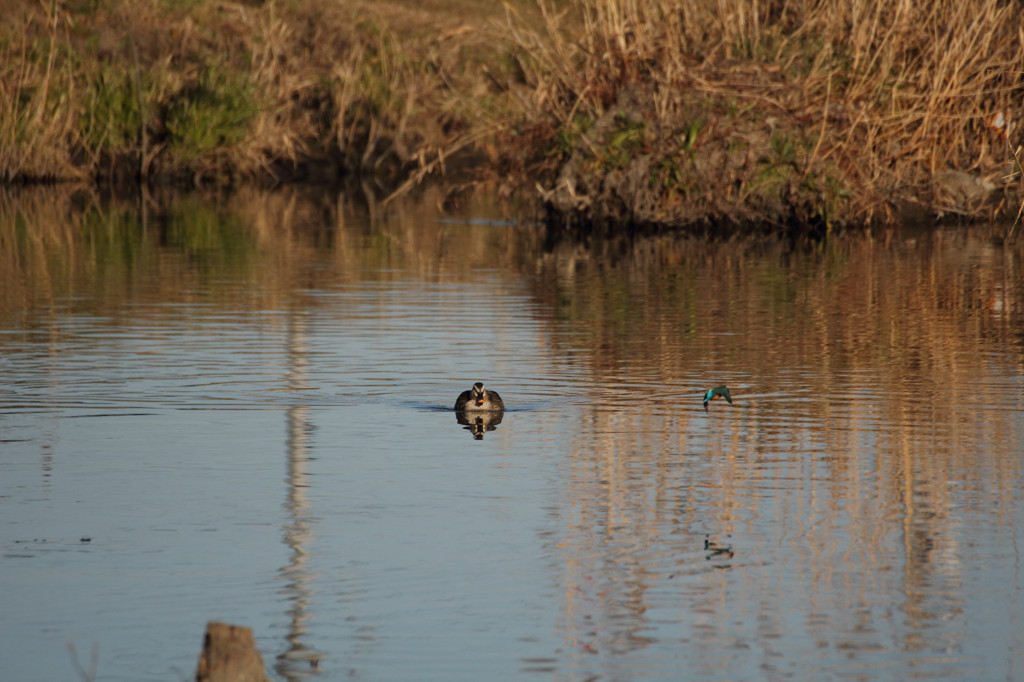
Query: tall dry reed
885	103
37	95
216	91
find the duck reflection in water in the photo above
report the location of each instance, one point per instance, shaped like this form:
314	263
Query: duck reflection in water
479	410
478	423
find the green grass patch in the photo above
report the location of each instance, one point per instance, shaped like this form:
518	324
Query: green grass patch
113	116
210	115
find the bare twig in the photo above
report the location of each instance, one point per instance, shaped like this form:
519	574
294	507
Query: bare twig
87	675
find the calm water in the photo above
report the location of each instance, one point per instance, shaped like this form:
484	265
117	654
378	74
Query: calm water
238	409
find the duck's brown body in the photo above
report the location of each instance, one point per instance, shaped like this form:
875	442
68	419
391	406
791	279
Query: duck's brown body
479	399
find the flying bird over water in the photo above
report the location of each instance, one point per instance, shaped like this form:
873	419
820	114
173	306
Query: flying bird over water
717	391
479	399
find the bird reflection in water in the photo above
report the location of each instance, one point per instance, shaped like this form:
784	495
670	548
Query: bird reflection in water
478	423
479	410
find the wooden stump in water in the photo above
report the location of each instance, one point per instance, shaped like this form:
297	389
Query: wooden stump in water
230	655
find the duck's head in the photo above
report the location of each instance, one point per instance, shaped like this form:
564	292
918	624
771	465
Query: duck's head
479	393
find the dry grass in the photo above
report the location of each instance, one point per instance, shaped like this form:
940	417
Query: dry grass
664	111
216	91
877	99
36	93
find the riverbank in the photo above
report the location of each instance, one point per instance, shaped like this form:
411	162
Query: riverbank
223	92
607	112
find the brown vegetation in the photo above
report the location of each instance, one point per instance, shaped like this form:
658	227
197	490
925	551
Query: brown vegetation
614	111
229	655
157	90
681	112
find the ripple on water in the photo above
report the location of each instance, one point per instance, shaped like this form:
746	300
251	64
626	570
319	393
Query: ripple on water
287	458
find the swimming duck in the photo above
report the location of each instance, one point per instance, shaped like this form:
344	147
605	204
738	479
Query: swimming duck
715	392
479	399
717	549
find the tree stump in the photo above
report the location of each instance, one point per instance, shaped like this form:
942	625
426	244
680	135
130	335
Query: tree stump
230	655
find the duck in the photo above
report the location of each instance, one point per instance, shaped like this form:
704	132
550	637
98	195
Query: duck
717	391
479	399
717	549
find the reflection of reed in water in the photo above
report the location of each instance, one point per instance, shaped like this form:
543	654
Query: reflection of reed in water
171	246
856	459
478	423
298	661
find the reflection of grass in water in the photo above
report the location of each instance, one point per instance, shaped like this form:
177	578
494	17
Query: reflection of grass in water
59	241
56	244
110	236
208	234
52	250
851	297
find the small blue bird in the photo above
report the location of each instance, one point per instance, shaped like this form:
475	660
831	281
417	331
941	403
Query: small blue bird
715	392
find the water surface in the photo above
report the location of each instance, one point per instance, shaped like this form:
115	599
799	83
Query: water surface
238	408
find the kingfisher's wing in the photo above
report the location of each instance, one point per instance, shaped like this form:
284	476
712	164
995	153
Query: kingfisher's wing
715	392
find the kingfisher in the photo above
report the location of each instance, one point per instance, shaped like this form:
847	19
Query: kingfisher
715	392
